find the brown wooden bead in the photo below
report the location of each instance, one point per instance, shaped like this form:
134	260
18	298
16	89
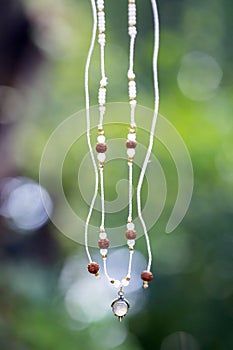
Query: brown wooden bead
101	147
131	144
131	234
93	268
147	276
103	243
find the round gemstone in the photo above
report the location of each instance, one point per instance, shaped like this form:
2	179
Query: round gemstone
147	276
131	234
93	267
131	144
120	308
101	147
103	243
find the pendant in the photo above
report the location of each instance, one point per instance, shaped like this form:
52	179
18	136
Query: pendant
120	306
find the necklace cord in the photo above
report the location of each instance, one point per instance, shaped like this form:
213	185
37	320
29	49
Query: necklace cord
87	99
152	131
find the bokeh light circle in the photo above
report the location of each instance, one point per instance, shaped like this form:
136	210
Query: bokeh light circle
199	76
22	204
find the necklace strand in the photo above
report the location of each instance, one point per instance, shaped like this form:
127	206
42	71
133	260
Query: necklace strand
93	267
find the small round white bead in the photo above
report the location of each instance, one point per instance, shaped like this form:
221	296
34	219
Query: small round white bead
131	74
132	137
100	4
103	251
133	103
101	157
131	242
101	139
104	81
130	226
131	152
103	235
102	96
124	282
117	283
101	39
132	31
132	89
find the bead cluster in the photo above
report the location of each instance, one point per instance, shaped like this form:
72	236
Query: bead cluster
101	16
101	148
146	276
131	235
131	144
103	243
132	13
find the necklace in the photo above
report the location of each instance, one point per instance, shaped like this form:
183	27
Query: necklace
120	305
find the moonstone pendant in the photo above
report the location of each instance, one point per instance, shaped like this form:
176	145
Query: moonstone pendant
120	306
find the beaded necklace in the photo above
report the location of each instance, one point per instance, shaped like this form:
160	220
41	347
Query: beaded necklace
119	306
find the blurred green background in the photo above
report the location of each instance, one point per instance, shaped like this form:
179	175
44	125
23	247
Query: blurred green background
47	299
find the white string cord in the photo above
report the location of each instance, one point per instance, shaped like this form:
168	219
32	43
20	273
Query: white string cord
130	192
130	263
102	102
102	198
152	131
87	98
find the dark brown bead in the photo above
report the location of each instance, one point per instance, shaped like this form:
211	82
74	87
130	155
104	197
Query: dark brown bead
131	144
147	276
103	243
101	147
131	234
93	268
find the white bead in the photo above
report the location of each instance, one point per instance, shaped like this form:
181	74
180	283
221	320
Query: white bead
132	90
101	157
104	81
102	96
101	21
132	31
132	137
130	226
131	74
103	251
102	109
132	20
124	282
130	153
131	242
117	283
101	139
100	4
132	83
133	103
101	39
103	235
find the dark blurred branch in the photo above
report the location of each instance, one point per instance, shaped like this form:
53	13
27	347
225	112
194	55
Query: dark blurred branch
20	59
